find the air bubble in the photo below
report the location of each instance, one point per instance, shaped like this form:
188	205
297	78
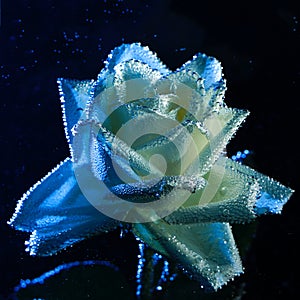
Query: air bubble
223	190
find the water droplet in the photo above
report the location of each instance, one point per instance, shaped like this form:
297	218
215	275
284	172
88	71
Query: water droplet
223	190
225	212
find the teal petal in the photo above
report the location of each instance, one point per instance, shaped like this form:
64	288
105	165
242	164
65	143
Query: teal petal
74	95
206	252
133	69
234	193
227	197
207	67
125	94
272	194
124	53
57	213
135	51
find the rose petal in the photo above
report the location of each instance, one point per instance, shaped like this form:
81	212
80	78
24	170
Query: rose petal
120	167
234	193
207	252
108	157
137	52
113	175
221	128
207	67
228	196
57	213
74	95
179	147
273	195
126	92
190	95
125	53
150	190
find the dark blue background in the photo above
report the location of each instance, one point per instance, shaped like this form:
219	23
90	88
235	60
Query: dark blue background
258	45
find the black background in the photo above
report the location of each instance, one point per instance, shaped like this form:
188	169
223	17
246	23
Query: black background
258	45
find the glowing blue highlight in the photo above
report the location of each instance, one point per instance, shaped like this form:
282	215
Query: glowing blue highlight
40	280
240	156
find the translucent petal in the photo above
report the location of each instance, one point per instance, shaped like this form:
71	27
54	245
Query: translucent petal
123	90
139	116
191	95
124	53
57	213
179	147
234	193
206	252
117	180
122	169
74	95
207	67
228	196
106	154
132	69
273	195
221	127
137	52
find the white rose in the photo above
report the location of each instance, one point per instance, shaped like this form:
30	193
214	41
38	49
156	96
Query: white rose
148	147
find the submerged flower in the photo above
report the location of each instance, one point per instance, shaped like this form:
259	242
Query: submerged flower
148	149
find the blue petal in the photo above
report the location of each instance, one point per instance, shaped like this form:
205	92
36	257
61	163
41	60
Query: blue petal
57	213
74	95
268	204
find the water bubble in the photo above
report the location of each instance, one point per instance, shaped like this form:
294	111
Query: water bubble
225	212
223	190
